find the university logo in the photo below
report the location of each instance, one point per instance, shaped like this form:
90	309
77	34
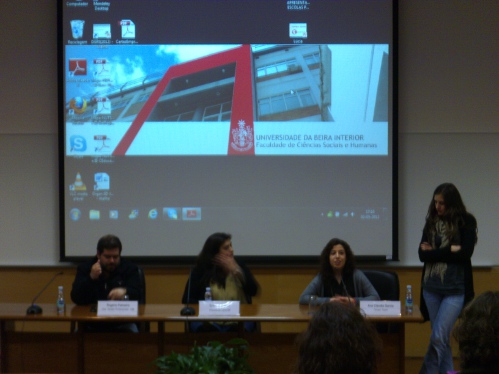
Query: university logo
242	137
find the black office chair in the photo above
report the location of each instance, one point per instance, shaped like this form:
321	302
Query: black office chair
143	326
387	285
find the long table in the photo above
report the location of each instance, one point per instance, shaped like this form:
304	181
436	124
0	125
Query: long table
81	352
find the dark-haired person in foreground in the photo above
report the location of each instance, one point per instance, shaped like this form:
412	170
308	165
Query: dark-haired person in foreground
106	276
338	279
447	244
228	279
338	340
477	333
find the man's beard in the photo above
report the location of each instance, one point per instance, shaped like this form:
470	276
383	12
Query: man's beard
109	268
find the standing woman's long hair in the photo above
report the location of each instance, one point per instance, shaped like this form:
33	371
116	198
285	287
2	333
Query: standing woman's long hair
204	262
455	211
326	271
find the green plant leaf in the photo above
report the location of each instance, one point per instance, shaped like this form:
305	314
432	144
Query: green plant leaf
212	358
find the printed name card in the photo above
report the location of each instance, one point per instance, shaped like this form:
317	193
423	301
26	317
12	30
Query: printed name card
117	308
219	308
380	307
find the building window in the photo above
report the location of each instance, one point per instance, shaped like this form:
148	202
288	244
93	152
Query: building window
276	68
312	59
121	103
218	112
182	117
285	102
143	97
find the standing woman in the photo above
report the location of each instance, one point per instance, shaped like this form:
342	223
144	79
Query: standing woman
338	279
449	238
228	279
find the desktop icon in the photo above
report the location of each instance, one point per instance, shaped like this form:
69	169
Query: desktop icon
191	214
102	31
153	214
171	213
94	214
77	143
75	214
77	105
103	106
127	29
101	182
77	28
133	214
78	185
101	68
102	144
298	30
77	66
113	214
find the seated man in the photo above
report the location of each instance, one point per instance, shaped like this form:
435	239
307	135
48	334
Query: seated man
106	277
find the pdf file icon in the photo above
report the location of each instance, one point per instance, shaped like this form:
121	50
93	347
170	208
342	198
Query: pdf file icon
77	66
191	214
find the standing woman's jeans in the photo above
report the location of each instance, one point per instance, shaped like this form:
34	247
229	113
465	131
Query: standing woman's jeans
443	311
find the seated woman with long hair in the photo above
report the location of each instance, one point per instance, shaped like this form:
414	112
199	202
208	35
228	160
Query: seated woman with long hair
228	279
338	279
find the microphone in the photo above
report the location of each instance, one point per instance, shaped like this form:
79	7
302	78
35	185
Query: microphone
345	289
187	310
35	309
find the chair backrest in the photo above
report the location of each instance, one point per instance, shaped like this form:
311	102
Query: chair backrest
385	282
143	326
142	289
387	285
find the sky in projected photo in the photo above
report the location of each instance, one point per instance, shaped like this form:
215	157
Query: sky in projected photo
138	62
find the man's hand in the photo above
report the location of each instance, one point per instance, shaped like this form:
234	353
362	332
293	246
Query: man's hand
96	270
117	293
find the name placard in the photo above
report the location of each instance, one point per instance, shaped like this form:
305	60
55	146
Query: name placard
113	308
380	307
219	308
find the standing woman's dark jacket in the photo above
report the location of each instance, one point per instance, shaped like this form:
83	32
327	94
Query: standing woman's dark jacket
468	237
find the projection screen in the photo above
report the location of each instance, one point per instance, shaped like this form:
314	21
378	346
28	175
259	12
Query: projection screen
270	120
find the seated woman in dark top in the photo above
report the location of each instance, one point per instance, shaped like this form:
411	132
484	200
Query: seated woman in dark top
228	279
338	279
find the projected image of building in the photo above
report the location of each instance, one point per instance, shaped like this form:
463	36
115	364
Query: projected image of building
288	83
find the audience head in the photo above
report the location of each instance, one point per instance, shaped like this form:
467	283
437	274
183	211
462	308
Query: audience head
338	340
327	269
477	333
